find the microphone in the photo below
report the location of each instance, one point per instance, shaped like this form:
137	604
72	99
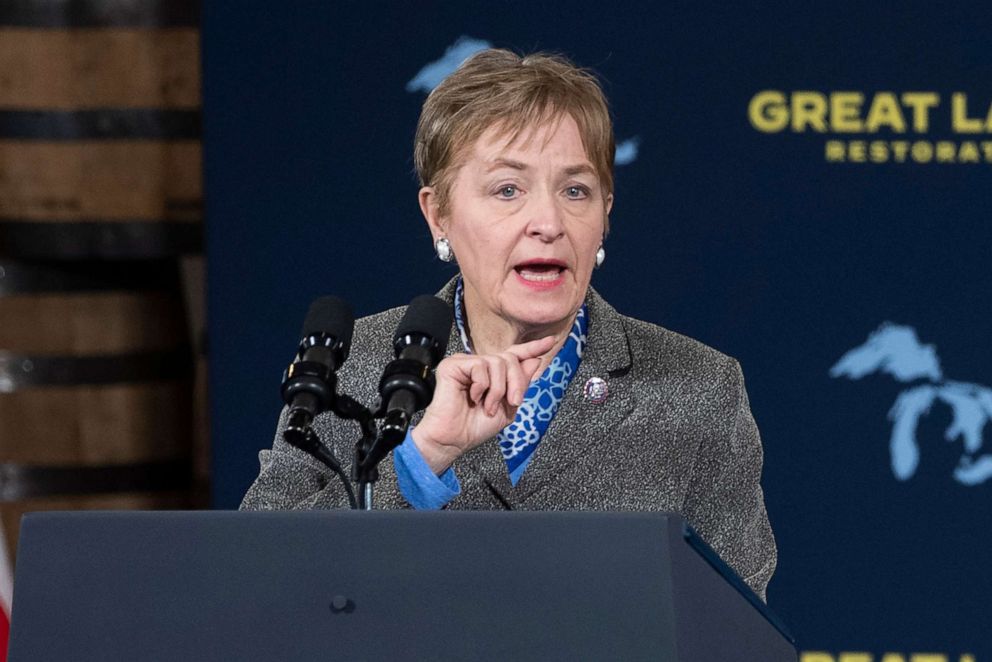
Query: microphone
309	383
407	384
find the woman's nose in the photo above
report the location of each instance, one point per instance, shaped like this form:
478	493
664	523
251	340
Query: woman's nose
546	222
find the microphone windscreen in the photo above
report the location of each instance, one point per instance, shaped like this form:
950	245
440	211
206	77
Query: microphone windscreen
429	316
331	315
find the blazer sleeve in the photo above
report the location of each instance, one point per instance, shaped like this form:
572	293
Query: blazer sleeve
290	479
724	500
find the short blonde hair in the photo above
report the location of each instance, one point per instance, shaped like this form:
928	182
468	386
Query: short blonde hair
496	87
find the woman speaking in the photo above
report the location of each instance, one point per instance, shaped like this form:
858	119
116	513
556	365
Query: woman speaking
548	398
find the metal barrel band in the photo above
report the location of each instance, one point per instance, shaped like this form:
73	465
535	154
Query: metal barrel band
18	372
113	240
27	481
102	124
19	278
100	13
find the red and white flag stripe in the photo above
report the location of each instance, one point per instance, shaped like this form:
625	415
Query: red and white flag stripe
6	594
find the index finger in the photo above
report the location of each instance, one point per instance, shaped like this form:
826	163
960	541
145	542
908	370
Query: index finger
532	349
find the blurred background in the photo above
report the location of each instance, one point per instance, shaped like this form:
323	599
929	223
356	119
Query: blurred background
804	188
102	368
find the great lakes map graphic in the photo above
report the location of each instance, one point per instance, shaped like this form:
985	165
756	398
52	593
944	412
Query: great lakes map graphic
896	350
432	73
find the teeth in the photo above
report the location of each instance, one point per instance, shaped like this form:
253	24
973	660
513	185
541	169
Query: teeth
540	276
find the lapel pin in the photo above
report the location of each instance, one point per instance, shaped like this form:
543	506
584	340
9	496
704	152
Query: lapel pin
596	390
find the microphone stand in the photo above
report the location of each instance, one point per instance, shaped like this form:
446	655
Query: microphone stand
299	433
371	450
364	474
348	408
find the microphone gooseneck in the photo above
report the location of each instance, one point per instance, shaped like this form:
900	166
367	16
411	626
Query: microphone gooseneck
407	384
309	383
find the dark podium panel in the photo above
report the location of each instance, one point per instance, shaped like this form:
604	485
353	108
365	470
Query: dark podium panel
348	585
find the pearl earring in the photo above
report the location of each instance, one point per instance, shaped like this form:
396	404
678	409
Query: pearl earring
600	257
443	249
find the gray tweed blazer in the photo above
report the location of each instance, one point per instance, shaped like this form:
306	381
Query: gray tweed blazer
675	434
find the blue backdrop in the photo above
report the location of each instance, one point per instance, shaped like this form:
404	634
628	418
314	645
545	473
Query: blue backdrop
832	234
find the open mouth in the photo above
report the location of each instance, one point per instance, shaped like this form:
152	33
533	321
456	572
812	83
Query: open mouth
540	271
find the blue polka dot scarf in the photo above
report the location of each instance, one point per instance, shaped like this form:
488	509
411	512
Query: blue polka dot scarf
519	439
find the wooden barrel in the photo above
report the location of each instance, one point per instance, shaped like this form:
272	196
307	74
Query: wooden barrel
95	387
100	215
99	129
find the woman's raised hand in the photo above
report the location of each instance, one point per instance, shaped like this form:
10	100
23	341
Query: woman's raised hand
476	396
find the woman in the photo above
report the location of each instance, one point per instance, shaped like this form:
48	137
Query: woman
548	398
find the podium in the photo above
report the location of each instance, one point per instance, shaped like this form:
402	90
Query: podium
389	585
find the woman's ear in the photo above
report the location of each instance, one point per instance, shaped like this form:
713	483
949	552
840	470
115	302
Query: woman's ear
427	197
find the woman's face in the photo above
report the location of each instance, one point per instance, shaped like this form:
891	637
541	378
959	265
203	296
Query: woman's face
525	221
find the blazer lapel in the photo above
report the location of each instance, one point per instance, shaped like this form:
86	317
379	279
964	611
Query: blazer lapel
581	424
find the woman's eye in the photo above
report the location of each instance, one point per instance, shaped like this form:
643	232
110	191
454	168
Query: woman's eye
508	191
576	192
